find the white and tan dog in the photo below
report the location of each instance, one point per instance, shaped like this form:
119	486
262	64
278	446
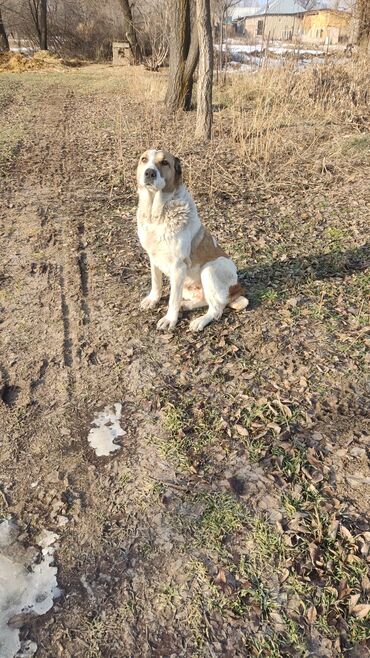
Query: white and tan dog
178	245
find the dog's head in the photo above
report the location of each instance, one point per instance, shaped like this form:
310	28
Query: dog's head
158	170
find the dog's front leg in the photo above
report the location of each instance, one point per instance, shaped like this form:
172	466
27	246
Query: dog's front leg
156	291
177	279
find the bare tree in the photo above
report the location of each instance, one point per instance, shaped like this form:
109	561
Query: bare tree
363	17
309	4
184	55
4	43
205	70
85	28
38	10
221	9
43	25
131	35
154	21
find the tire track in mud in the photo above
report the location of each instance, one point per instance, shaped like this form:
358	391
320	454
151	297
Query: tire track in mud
141	462
75	256
67	343
67	308
84	274
66	234
63	232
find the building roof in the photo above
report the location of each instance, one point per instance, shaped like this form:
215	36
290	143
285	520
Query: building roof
238	13
316	10
281	7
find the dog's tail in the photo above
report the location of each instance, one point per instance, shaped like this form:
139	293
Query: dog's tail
237	301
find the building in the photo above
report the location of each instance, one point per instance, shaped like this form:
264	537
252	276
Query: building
279	20
234	15
287	20
122	55
326	26
239	14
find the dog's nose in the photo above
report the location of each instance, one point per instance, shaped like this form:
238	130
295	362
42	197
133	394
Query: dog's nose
150	174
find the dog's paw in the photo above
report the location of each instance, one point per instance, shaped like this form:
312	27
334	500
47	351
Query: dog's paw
166	323
199	323
148	303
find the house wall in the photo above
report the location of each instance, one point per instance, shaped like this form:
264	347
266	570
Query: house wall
280	27
326	27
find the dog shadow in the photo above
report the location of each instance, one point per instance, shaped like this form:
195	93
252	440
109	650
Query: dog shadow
287	276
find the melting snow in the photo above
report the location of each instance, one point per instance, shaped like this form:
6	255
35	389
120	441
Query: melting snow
28	586
277	49
106	430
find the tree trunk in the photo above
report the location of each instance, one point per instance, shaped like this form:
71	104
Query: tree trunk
190	66
220	45
43	25
205	71
184	53
179	44
131	33
363	17
4	43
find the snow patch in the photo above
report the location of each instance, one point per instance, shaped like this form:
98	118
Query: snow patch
249	48
107	429
28	586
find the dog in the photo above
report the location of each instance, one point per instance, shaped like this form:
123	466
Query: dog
180	247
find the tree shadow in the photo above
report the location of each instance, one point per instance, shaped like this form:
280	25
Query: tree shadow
287	276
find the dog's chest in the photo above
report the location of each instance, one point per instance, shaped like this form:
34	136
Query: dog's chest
151	238
157	244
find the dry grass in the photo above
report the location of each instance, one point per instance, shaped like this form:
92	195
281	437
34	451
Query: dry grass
12	62
281	126
286	113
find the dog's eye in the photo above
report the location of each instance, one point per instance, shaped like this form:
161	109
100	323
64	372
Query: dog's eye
144	159
164	162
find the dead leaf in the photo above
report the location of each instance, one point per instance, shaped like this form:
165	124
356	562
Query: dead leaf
333	528
353	559
311	614
345	533
275	427
317	476
353	601
283	407
249	375
278	620
365	584
314	553
221	577
20	619
312	459
361	611
284	575
241	430
306	472
343	589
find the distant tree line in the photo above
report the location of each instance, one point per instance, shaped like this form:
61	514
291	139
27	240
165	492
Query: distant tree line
177	32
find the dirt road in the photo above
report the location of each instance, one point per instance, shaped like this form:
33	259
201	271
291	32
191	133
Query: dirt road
232	521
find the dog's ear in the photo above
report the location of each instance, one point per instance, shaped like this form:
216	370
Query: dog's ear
178	171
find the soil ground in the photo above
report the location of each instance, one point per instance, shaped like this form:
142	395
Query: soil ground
233	521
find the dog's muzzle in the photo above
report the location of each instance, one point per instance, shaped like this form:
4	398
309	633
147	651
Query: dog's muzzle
149	175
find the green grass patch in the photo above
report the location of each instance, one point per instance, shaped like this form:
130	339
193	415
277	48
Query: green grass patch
260	423
222	515
189	431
